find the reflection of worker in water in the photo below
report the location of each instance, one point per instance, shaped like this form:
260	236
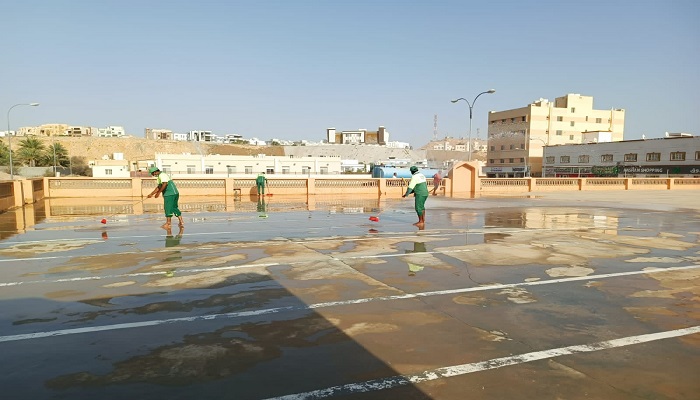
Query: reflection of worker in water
170	240
262	207
418	247
260	183
419	187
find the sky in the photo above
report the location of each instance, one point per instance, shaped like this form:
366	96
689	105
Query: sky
290	69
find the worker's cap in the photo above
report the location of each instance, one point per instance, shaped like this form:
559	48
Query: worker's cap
414	169
153	169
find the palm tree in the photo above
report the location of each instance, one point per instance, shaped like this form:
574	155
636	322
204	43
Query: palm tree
31	151
61	154
4	154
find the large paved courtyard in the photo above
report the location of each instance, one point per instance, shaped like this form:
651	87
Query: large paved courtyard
553	296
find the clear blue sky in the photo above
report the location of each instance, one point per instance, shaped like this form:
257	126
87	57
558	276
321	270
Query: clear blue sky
290	69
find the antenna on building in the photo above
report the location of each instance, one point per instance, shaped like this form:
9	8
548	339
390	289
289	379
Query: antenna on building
435	127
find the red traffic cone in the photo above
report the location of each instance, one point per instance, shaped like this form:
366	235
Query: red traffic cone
104	221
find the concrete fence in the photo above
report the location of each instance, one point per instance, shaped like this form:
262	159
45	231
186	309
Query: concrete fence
19	192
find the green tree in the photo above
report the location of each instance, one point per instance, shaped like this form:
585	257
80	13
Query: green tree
31	152
79	166
4	154
62	159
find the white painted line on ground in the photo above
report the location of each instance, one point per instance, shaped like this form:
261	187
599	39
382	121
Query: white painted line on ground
463	369
62	332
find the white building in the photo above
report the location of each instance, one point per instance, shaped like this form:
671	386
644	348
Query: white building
110	131
236	165
110	168
670	156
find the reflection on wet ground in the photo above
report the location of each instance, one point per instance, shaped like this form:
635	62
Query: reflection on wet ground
309	298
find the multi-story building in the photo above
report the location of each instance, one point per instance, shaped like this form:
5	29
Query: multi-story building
158	134
200	136
677	155
230	165
517	136
360	136
110	131
51	130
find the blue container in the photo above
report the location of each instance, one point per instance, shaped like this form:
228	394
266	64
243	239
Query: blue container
388	172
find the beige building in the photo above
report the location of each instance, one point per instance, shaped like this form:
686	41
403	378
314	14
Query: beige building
360	136
158	134
517	136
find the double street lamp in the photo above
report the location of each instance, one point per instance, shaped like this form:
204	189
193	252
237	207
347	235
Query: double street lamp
9	136
471	106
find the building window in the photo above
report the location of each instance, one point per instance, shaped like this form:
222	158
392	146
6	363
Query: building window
653	156
502	161
503	147
697	155
678	156
491	161
584	159
522	160
573	110
559	132
549	160
231	169
248	169
191	169
631	157
269	170
285	170
166	169
324	171
560	119
512	146
571	137
522	146
598	120
564	159
108	172
586	118
572	123
606	158
306	170
493	148
511	160
524	119
208	169
512	120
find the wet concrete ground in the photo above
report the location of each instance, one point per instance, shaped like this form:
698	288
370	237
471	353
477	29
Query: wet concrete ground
561	296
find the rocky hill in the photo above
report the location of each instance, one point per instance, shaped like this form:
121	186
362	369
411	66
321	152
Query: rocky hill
96	148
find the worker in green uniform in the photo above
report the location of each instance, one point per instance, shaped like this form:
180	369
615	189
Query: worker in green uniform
171	195
261	182
419	187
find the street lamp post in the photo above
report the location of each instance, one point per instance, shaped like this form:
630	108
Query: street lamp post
471	106
9	136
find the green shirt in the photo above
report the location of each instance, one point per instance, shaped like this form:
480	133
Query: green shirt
260	180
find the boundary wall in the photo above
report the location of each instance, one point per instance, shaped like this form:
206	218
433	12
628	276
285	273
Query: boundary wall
462	182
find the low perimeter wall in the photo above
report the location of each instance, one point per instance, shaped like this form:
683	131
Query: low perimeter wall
19	192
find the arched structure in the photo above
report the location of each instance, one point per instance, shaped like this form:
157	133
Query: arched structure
463	179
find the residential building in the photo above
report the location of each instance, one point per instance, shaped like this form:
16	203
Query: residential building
517	136
110	131
360	136
230	165
200	136
49	130
158	134
110	168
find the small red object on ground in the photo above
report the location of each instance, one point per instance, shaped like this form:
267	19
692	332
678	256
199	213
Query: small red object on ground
375	219
104	221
